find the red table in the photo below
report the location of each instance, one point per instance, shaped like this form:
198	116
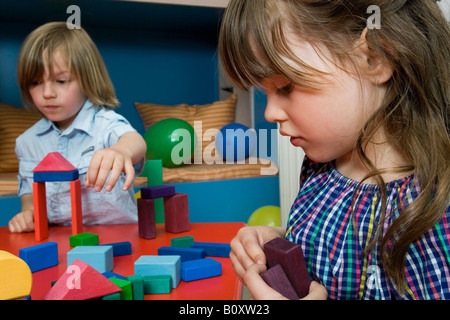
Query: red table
224	287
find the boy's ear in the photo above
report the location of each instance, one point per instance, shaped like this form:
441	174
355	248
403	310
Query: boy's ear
377	68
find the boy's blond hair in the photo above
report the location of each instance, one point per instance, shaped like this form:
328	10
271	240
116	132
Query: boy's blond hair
81	55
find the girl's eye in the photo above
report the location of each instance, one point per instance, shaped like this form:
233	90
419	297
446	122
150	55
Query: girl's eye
285	90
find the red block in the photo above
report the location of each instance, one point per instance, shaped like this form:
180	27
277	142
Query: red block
77	214
52	162
81	282
40	211
146	218
176	213
290	256
277	279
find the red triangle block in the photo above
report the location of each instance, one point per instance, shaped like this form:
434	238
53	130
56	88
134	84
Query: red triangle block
52	162
81	282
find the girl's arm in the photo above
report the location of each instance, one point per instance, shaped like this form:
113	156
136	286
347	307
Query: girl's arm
129	149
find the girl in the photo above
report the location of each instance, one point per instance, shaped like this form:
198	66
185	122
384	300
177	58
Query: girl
370	108
62	74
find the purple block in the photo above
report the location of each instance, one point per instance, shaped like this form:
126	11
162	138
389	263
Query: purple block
290	256
157	192
277	279
146	218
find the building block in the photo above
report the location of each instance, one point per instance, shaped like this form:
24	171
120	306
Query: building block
54	161
120	248
56	176
40	211
153	170
40	256
81	282
112	296
213	249
277	279
83	239
159	266
110	274
137	283
290	256
182	242
15	277
157	284
176	213
146	218
200	269
155	192
77	211
98	257
185	254
126	286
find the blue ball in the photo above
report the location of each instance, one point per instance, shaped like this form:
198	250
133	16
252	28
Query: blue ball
235	142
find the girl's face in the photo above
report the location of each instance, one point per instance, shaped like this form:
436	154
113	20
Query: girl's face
59	96
324	123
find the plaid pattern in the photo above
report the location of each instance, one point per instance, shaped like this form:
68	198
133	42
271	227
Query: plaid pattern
333	239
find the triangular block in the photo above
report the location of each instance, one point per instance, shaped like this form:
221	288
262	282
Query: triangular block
81	282
52	162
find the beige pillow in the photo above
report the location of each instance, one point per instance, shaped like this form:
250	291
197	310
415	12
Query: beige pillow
13	122
212	116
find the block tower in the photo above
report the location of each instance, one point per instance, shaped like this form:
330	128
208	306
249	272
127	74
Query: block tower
54	167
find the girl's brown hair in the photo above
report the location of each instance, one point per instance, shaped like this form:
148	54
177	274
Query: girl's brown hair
413	38
82	58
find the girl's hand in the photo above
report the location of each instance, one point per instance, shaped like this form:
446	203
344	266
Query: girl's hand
247	247
22	222
110	162
261	291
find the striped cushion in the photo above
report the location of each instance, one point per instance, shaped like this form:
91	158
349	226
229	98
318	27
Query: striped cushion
212	116
13	122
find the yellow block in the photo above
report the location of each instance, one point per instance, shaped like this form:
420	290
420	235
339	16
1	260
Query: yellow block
15	277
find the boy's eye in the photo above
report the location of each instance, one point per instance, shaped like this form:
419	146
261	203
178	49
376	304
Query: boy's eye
285	90
61	81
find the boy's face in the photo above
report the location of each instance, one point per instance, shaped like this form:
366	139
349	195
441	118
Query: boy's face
59	96
325	123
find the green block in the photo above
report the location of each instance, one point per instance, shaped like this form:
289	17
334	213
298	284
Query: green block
157	284
137	283
125	285
159	210
112	296
182	242
83	239
154	172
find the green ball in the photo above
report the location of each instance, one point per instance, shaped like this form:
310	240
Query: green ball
171	140
266	216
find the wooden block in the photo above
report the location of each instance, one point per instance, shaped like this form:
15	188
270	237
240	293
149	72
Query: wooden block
176	213
200	269
75	199
213	249
146	218
40	211
83	239
137	283
112	296
182	242
185	254
40	256
110	274
15	277
54	161
157	284
125	285
120	248
154	172
277	279
98	257
290	256
81	282
159	265
56	176
157	192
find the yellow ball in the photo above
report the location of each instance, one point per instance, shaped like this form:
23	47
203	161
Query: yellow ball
266	216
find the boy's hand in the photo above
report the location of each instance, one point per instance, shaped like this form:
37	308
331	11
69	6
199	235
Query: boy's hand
110	162
22	222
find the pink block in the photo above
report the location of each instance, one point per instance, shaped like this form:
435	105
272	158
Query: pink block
52	162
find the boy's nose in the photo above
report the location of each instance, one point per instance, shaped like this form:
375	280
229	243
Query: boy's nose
274	112
49	92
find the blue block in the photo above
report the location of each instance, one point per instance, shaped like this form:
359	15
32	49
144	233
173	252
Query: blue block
185	254
40	256
110	274
213	249
120	248
159	265
200	269
55	176
98	257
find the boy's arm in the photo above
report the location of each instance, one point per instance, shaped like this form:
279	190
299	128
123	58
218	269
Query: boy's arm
129	149
23	221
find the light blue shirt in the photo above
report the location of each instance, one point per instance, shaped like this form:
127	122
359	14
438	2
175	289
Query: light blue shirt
93	129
